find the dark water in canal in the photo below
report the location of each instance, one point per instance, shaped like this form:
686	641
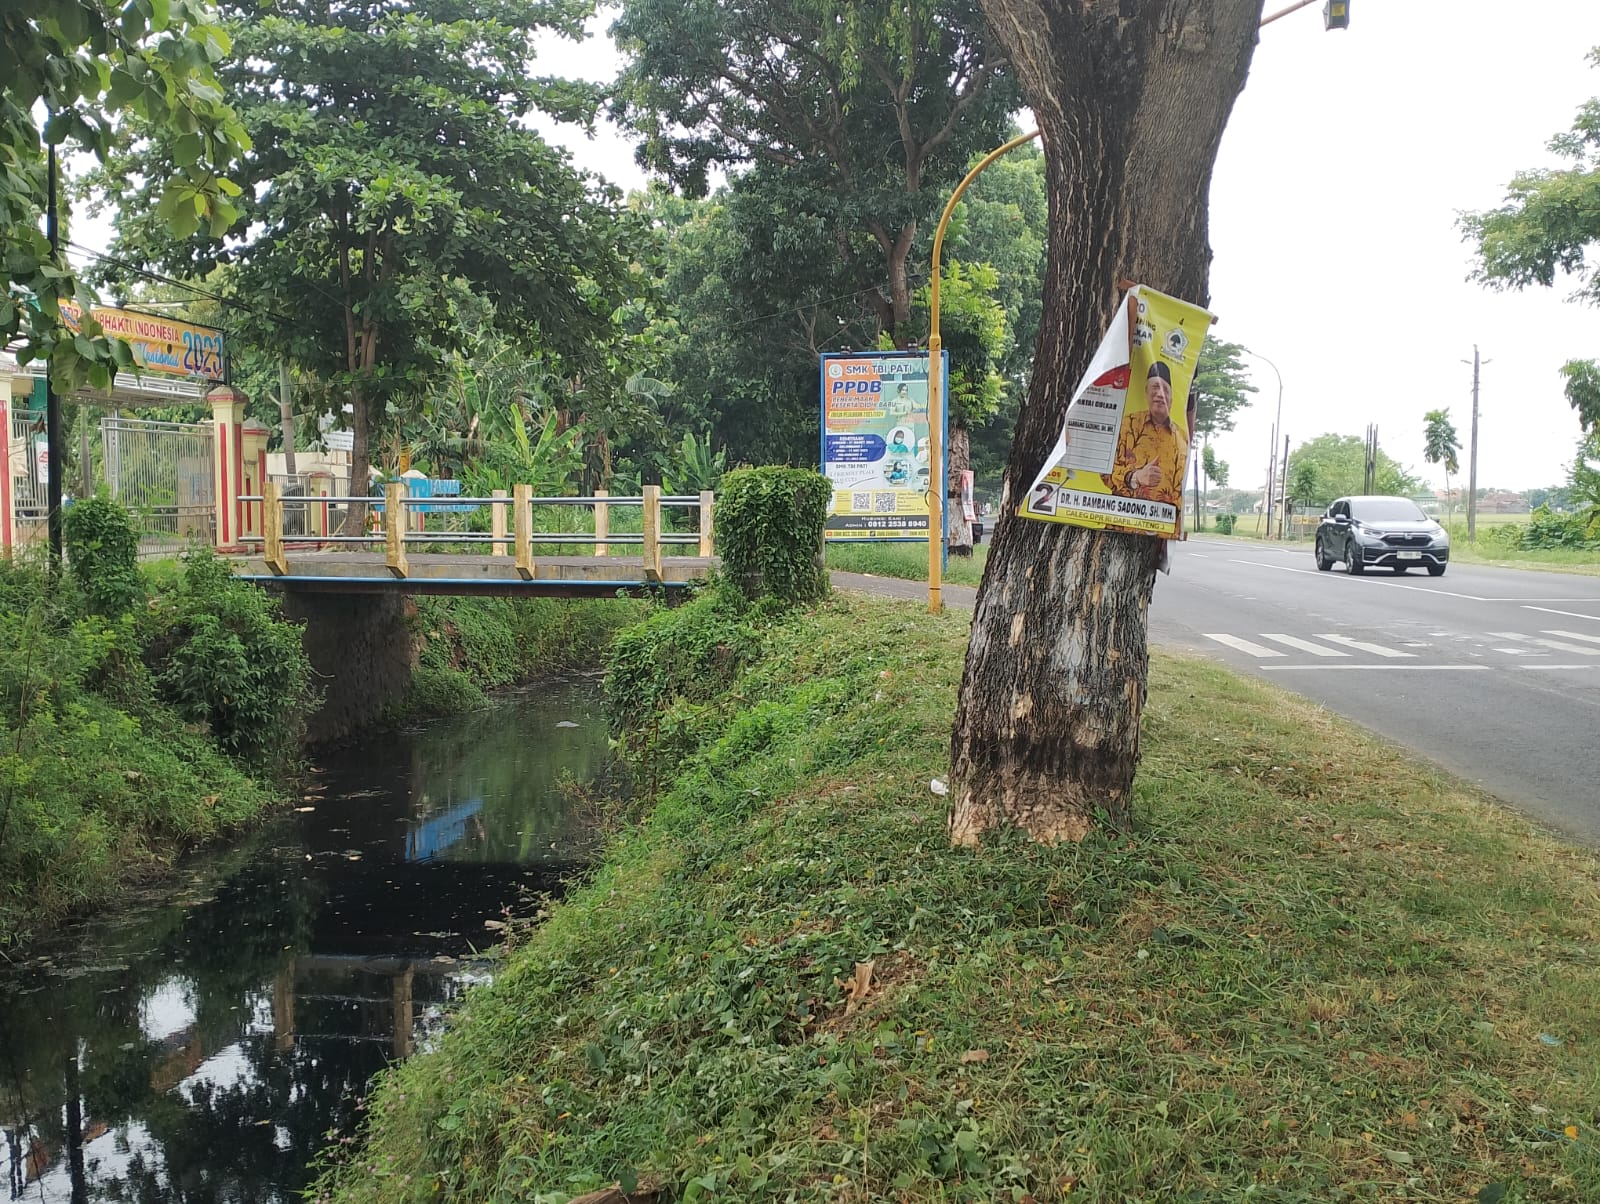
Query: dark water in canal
200	1044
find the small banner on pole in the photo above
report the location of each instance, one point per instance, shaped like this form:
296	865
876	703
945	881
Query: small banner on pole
1120	461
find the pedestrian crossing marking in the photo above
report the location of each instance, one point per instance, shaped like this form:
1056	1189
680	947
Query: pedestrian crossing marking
1362	645
1576	635
1234	642
1303	645
1558	645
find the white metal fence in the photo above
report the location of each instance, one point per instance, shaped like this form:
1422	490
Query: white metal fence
163	473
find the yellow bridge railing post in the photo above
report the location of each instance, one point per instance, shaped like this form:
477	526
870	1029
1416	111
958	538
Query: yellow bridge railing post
707	499
497	525
272	528
602	522
394	527
652	532
522	526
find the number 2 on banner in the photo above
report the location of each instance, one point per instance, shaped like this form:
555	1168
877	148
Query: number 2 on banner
1044	499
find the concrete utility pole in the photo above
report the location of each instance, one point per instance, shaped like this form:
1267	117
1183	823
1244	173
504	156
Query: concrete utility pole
1472	472
1283	496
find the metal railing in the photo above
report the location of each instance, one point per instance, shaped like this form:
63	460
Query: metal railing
399	529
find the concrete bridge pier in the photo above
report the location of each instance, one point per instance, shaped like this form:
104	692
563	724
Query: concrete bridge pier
361	651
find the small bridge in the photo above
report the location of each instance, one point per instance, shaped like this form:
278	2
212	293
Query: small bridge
297	543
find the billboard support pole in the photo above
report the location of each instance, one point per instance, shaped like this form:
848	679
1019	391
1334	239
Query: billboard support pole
937	416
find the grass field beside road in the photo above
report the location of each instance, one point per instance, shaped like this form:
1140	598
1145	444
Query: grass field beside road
1312	973
908	561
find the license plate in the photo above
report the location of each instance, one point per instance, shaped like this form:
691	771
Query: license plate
1410	556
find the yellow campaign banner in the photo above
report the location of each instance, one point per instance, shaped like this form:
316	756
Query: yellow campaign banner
159	344
1123	453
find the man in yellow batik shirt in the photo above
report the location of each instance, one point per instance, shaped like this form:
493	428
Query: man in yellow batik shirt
1151	451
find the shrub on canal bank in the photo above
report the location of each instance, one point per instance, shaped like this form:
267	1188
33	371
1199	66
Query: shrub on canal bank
106	772
468	645
1312	973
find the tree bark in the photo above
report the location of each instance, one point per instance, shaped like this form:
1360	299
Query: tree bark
1132	101
960	531
360	460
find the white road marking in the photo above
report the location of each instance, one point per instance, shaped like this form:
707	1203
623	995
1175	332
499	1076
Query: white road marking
1521	652
1558	645
1303	645
1376	668
1421	589
1575	635
1233	641
1571	614
1362	645
1532	668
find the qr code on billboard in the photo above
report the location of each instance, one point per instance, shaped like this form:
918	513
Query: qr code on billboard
883	502
861	501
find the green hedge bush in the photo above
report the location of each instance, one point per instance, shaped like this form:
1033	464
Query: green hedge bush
768	525
223	656
102	547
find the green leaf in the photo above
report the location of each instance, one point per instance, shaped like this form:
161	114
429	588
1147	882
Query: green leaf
160	13
186	150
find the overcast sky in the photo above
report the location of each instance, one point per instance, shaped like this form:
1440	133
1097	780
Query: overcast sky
1333	219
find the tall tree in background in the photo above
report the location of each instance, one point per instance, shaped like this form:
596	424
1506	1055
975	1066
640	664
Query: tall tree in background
1215	472
1546	228
1441	445
975	333
1221	387
393	175
1003	221
84	64
1132	100
1339	465
851	119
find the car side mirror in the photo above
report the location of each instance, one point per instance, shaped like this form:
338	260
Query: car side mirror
1342	520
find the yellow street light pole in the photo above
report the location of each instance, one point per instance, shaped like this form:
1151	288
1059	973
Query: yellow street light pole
936	482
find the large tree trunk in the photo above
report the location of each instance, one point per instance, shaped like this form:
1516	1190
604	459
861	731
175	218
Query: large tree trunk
1132	108
360	460
959	539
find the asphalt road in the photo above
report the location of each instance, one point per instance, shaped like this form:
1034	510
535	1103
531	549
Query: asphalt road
1492	673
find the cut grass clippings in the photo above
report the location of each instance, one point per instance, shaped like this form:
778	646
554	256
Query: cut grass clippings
1314	973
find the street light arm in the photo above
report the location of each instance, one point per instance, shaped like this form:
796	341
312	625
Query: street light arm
936	482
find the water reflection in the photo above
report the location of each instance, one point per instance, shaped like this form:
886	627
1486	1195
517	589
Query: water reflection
198	1046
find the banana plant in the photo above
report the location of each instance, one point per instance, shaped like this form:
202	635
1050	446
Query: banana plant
696	470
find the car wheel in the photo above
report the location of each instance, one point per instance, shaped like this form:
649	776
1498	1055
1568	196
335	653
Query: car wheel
1436	570
1324	562
1352	560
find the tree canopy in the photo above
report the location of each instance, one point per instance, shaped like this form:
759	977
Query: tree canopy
84	65
1440	442
1332	466
1548	229
393	176
1221	387
851	121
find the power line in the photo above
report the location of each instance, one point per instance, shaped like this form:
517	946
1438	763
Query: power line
176	283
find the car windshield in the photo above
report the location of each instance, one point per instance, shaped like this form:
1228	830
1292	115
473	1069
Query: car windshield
1387	510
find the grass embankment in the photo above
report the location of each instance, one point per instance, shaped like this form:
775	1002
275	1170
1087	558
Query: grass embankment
908	561
468	645
1313	973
